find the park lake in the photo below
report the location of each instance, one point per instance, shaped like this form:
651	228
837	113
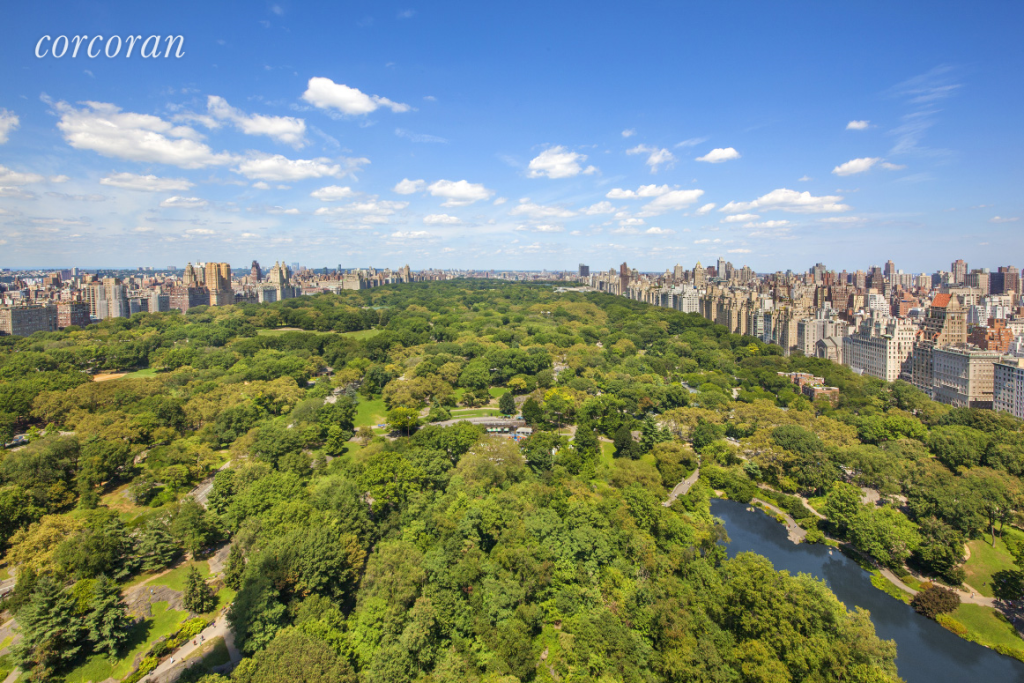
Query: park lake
927	653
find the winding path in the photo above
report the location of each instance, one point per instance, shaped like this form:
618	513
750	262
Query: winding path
682	488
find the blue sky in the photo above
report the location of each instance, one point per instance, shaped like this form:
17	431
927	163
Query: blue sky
515	135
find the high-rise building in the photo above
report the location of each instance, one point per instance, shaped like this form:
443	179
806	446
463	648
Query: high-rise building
959	271
218	282
1008	386
963	377
890	269
26	320
256	273
72	313
699	276
584	270
623	278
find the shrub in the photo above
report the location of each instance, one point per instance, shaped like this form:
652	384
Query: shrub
934	601
950	624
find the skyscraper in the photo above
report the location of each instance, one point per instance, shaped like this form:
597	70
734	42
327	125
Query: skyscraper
256	273
959	270
584	270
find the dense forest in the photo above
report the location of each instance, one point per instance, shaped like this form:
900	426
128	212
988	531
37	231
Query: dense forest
367	544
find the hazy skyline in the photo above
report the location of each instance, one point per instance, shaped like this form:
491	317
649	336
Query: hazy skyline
515	137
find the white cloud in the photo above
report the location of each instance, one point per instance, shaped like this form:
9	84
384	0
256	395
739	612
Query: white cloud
642	191
326	94
858	125
671	201
558	162
659	231
548	228
440	219
142	229
104	129
59	179
767	224
720	154
692	142
9	177
856	166
286	129
629	132
369	208
460	192
406	186
279	168
805	179
538	211
599	208
332	193
183	202
146	183
840	219
789	200
739	251
703	241
200	231
8	122
740	217
1001	219
706	209
892	167
16	193
500	200
411	235
260	185
655	156
418	137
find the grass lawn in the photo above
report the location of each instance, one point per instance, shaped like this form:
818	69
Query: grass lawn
175	579
474	412
986	561
213	653
988	626
607	453
497	392
370	413
145	372
361	334
99	667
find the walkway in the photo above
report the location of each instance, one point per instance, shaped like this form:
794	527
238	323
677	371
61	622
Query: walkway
682	488
171	668
797	534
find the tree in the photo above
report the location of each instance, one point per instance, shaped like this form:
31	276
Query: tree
625	447
108	621
51	631
532	412
199	597
886	534
842	505
403	419
193	527
156	548
935	600
507	404
296	657
235	567
704	434
942	549
957	446
586	441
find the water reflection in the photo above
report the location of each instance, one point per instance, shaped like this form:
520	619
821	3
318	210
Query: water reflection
927	653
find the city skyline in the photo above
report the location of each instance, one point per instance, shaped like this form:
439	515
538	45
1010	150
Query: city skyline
363	135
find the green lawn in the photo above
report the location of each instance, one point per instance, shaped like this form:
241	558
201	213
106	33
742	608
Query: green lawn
474	412
497	392
175	579
607	453
99	667
370	413
988	626
986	561
145	372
